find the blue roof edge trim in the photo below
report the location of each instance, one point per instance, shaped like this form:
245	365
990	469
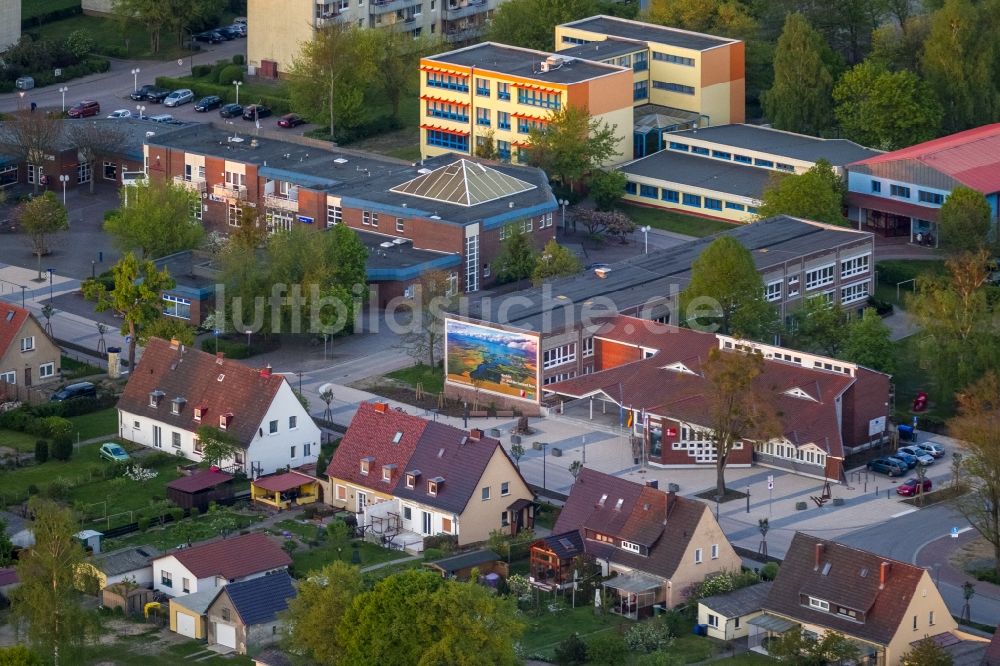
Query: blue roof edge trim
296	177
412	272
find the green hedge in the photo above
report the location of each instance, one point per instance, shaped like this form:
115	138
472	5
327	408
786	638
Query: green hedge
48	17
278	105
47	78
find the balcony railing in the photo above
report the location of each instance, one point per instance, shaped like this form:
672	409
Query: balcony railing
282	203
386	6
194	184
328	20
452	11
223	191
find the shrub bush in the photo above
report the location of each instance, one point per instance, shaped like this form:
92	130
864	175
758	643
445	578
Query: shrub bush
229	74
80	43
57	427
16	419
605	650
201	71
571	651
32	489
647	637
62	448
238	59
143	523
431	554
41	451
58	489
769	571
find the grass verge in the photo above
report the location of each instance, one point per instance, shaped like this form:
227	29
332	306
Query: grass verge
305	560
96	424
73	369
196	528
112	39
668	220
431	379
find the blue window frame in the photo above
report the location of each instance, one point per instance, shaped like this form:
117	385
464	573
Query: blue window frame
639	62
503	91
899	191
742	159
483	117
673	87
648	191
713	204
677	60
440	139
673	196
447	82
447	111
876	186
673	145
574	40
698	150
763	163
640	90
784	167
930	197
503	150
631	188
722	155
751	210
731	205
503	120
537	98
483	87
692	200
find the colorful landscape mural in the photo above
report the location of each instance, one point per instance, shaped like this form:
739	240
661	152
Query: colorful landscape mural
491	359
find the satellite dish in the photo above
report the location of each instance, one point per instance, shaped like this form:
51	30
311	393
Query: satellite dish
326	388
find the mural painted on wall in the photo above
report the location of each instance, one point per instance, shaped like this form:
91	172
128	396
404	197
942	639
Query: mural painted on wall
491	359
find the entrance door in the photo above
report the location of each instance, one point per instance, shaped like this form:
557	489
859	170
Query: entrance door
362	501
427	522
27	376
225	635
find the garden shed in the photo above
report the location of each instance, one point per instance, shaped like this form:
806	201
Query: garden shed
460	566
129	598
201	488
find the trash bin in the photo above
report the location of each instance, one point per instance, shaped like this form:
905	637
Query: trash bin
24	83
905	433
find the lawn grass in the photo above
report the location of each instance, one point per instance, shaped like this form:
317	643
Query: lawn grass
146	650
895	271
20	441
432	379
746	659
305	560
172	535
301	530
121	494
32	8
542	634
668	220
96	424
108	33
14	484
74	369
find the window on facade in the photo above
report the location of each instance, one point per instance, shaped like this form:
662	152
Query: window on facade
697	556
675	59
855	266
450	140
84	172
674	145
186	585
819	604
876	186
446	525
640	90
483	87
166	578
175	440
772	291
713	204
400	225
364	466
699	150
407	513
28	343
767	164
715	551
673	87
235	215
930	197
483	117
272	427
447	81
544	100
713	620
732	205
505	489
110	171
634	547
225	614
588	347
484	492
386	473
46	370
341	493
818	277
334	215
673	196
198	446
175	306
631	188
853	293
559	355
648	191
899	191
692	200
432	488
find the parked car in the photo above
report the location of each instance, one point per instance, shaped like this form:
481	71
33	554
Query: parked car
291	120
231	111
208	103
120	113
255	111
935	450
84	109
909	462
79	390
161	118
113	452
227	32
140	93
240	20
209	37
923	458
887	466
239	28
909	487
157	95
178	97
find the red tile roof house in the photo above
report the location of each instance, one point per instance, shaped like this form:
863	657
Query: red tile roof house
658	543
28	357
900	193
410	478
883	605
652	372
175	390
217	563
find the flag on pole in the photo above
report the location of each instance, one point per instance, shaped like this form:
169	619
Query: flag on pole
631	417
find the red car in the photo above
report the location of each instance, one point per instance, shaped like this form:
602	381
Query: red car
291	120
909	487
84	109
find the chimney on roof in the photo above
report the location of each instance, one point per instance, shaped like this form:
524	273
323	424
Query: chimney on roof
266	371
475	434
883	574
653	483
220	357
381	407
819	556
174	343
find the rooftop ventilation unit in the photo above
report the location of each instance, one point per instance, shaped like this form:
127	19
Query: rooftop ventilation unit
340	160
386	244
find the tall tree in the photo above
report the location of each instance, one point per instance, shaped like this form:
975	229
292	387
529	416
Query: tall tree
332	72
136	297
886	110
898	48
32	136
397	54
516	259
801	98
41	218
727	18
156	219
964	221
18	655
607	188
727	291
6	547
95	139
47	599
572	145
817	194
532	23
317	610
738	411
959	63
978	426
433	297
818	327
869	343
554	261
217	446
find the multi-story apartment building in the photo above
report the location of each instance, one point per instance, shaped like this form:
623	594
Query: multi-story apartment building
10	23
501	92
556	322
448	213
901	192
681	79
276	29
721	171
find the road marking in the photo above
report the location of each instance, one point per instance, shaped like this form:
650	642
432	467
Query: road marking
902	513
965	529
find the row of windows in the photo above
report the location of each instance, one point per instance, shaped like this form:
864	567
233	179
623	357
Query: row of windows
459	142
447	81
175	306
854	292
789	452
725	155
640	90
677	60
560	377
456	112
45	370
855	266
537	98
692	200
903	192
673	87
524	125
559	355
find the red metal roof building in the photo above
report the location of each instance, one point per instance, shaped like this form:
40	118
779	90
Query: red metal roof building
198	490
216	563
900	192
648	377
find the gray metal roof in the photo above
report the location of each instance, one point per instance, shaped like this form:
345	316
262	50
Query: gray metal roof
738	602
463	183
653	277
516	61
124	560
13	523
617	27
672	166
461	561
837	152
604	49
199	601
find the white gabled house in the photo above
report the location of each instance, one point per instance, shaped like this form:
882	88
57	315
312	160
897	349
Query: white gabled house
174	391
215	564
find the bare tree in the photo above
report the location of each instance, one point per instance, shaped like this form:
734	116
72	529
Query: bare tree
94	139
431	299
32	136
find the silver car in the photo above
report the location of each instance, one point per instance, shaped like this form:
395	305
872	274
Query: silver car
922	456
178	97
935	450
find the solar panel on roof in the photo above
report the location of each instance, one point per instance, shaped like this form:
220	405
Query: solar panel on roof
566	543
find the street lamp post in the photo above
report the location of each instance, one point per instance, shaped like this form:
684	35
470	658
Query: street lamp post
237	84
645	235
545	446
64	90
562	204
51	272
248	332
140	108
63	178
20	101
135	79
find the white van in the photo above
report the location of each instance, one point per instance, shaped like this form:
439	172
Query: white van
240	20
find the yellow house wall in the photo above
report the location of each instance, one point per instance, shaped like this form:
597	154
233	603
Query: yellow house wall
926	599
670	72
688	572
480	517
724	214
276	30
351	503
199	621
715	103
621	119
